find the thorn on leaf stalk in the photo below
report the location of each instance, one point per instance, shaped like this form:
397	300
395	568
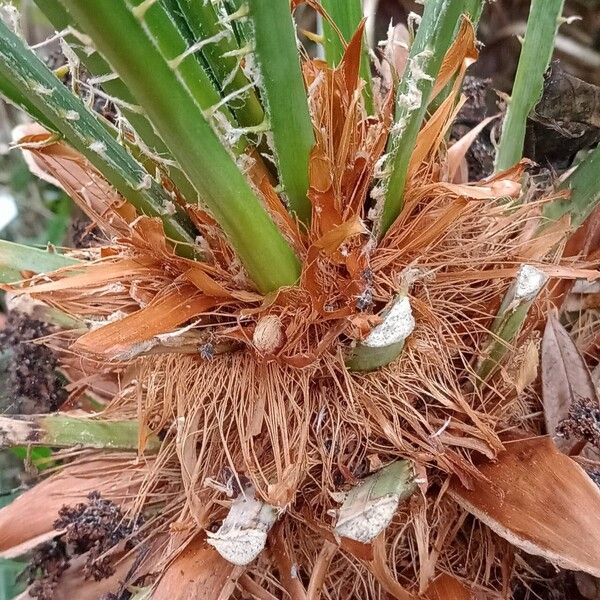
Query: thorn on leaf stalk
139	11
243	51
241	12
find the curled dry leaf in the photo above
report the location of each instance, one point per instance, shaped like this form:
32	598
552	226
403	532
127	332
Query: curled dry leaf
565	377
60	165
198	572
540	501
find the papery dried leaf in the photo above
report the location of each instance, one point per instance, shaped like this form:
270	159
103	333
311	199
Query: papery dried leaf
134	334
446	587
395	52
198	572
528	369
350	64
62	166
481	191
202	277
381	571
433	132
540	501
565	377
94	275
457	152
460	55
333	239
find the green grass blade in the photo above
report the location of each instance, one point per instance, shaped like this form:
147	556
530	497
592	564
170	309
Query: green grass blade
220	54
347	16
88	135
121	38
434	36
285	98
61	20
62	431
536	53
15	258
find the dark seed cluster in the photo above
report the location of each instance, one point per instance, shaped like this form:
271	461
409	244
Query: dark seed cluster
583	422
91	529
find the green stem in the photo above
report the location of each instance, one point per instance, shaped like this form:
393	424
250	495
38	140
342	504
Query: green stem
241	26
61	20
370	506
386	341
204	23
347	16
434	36
85	133
120	36
173	46
510	318
62	431
285	98
542	25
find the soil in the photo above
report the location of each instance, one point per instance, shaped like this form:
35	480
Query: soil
31	383
83	233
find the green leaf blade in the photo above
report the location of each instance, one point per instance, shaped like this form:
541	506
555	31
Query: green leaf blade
121	38
536	53
285	98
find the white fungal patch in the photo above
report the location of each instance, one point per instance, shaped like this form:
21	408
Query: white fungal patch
398	323
97	146
411	99
243	534
371	522
239	547
38	88
169	208
71	115
528	283
145	182
369	507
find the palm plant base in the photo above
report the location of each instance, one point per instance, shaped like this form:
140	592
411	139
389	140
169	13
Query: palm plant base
251	428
